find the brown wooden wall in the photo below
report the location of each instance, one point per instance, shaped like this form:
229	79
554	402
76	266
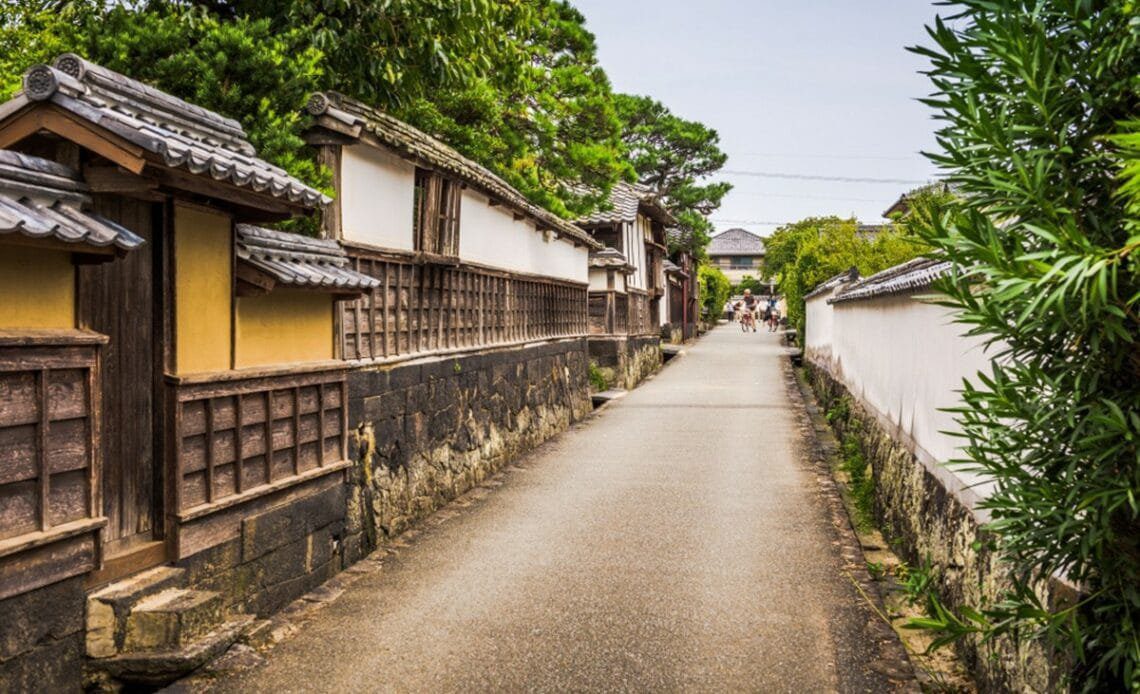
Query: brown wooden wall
434	307
609	313
640	317
49	457
305	432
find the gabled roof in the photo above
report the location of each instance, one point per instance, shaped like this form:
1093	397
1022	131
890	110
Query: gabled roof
914	274
178	134
40	199
350	117
736	242
626	200
299	261
608	258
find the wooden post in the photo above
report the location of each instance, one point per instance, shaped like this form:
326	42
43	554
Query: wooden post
387	325
41	446
269	436
208	411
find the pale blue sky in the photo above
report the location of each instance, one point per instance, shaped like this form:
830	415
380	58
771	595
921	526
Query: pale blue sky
808	87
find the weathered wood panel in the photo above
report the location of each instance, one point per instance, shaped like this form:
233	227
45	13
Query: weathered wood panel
47	435
118	299
424	306
237	436
49	459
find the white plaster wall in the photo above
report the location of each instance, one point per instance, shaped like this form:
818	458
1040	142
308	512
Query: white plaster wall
905	360
491	236
598	282
818	327
635	252
377	197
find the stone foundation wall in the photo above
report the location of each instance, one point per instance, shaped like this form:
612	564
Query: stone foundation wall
282	553
626	361
41	638
427	432
928	523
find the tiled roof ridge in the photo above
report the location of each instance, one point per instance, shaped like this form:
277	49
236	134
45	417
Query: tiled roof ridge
181	134
299	261
917	273
126	94
40	199
401	135
849	275
624	202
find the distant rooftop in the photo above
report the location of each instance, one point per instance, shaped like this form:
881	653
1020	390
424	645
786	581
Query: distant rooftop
736	242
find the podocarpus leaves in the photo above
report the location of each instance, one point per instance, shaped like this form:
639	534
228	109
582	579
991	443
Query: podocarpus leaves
1033	99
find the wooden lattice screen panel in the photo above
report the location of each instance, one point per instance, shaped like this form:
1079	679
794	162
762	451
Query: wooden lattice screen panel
305	432
427	307
639	318
48	432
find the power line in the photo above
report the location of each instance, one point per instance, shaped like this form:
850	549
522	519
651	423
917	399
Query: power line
805	197
836	179
750	221
856	157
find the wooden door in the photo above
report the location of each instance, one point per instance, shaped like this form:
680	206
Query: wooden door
118	299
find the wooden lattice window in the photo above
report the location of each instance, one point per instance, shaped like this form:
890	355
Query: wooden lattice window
436	220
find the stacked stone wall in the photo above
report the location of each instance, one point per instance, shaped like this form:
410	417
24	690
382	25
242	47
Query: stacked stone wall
627	361
426	433
927	523
282	553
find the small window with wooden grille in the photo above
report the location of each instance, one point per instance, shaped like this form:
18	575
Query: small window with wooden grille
436	220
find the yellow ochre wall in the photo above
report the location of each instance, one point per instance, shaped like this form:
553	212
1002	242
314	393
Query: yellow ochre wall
203	283
37	288
283	327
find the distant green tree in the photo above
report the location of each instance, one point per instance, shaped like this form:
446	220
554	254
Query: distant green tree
802	255
674	157
714	291
750	283
243	68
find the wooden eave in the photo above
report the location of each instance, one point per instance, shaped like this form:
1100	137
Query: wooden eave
44	117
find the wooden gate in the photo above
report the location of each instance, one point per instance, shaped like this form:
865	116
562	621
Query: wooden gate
120	299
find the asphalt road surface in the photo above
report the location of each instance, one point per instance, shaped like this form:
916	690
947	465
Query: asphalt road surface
673	542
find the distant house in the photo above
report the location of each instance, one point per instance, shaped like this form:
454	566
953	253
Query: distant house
737	252
628	298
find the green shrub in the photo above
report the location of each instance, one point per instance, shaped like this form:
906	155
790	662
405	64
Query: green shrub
598	379
1038	102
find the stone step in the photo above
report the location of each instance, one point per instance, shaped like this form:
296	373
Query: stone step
172	619
159	668
109	607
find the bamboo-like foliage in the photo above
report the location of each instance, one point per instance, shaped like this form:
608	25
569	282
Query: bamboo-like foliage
1035	99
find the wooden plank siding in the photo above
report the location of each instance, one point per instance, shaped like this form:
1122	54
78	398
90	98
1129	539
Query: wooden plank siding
237	438
428	307
49	454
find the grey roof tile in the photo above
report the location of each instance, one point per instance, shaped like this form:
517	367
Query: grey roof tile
406	139
919	273
40	199
610	257
300	261
183	135
625	201
736	242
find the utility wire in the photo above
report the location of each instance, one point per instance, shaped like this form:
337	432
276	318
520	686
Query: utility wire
804	197
837	179
856	157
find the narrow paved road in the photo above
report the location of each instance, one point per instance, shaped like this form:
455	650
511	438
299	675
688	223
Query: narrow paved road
674	542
